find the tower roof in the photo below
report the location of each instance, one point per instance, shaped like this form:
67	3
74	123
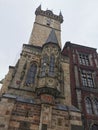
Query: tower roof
52	37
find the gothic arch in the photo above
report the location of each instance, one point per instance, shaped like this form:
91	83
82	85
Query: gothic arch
30	78
88	105
95	106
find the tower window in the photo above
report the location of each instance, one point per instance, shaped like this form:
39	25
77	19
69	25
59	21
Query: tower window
51	66
88	106
84	59
31	74
87	79
43	65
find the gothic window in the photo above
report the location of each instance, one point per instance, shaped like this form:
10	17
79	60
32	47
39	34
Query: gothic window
87	79
51	65
43	65
95	106
94	127
84	59
88	105
31	74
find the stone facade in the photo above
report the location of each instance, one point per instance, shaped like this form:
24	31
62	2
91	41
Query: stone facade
36	92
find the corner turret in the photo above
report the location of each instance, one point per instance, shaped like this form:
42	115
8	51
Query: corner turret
50	74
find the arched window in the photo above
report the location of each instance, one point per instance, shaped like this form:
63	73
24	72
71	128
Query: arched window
43	65
94	127
95	106
31	74
51	65
88	105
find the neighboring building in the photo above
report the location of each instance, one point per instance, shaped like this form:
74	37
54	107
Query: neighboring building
36	92
84	81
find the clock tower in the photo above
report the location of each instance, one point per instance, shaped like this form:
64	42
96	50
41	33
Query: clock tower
44	22
36	91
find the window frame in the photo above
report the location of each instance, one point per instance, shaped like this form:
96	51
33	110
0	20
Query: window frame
95	106
52	65
88	105
87	79
84	59
31	74
44	62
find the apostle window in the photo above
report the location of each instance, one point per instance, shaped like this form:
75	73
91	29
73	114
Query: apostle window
30	79
84	59
87	79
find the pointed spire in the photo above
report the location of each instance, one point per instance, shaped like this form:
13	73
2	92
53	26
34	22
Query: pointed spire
60	14
52	37
39	8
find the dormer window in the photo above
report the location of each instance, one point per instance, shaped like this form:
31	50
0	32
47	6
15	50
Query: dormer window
84	59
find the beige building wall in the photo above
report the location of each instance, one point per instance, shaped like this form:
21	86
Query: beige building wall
41	30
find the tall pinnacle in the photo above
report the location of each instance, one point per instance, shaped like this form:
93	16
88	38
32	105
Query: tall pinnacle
52	37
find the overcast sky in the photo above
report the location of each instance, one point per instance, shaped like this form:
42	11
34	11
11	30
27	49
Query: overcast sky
16	21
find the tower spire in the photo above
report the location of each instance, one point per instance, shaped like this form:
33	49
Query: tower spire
52	37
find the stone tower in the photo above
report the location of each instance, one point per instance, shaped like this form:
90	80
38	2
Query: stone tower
36	91
44	22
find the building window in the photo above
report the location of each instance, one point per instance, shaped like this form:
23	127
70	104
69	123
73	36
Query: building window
31	74
84	59
43	65
87	79
51	65
95	106
88	105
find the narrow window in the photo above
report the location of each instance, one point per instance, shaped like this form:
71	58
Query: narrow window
43	65
31	74
95	106
51	65
84	79
88	105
